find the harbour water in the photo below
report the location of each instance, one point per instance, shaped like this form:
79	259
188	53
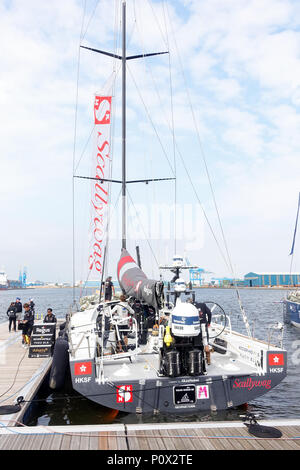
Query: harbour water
263	309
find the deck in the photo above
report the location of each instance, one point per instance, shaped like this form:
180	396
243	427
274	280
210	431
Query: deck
188	437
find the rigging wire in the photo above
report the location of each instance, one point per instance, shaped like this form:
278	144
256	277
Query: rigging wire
111	85
209	180
105	234
165	153
184	165
117	39
173	133
153	186
294	239
148	241
74	150
151	121
89	21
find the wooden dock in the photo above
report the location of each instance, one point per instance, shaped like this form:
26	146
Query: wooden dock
188	437
19	374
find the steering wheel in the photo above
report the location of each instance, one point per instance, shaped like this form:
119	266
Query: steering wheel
216	309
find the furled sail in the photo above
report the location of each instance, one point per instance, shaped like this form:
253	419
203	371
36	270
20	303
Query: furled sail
100	185
135	283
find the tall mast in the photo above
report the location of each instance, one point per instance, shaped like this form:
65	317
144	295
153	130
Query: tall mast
123	59
124	124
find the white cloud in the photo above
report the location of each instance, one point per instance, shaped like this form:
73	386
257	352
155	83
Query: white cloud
241	62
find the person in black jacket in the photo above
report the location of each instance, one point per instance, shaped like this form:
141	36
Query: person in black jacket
109	289
18	305
50	317
205	321
28	322
12	316
31	305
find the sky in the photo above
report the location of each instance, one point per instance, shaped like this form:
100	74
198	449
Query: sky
234	72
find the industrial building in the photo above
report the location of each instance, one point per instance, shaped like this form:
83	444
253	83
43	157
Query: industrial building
227	282
271	279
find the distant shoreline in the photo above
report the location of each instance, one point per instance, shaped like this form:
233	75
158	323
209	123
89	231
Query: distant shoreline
194	287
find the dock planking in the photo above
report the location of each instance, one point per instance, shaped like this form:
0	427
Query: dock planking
155	438
19	374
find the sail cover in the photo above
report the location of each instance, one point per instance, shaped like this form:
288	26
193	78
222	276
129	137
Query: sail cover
135	283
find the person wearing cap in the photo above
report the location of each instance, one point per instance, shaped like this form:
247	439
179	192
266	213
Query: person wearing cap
18	305
28	322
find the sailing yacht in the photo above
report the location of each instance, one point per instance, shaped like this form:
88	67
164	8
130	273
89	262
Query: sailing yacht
161	367
291	304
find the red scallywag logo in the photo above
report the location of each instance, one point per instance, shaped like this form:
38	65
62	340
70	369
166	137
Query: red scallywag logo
124	394
102	108
250	384
83	368
276	359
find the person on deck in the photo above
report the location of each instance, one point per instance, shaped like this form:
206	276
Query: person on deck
121	312
205	320
108	289
12	316
28	322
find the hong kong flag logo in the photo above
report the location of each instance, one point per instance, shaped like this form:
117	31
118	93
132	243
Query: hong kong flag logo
83	368
276	359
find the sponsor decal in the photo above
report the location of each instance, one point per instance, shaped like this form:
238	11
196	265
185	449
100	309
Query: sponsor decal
250	384
202	392
276	359
82	380
36	351
185	320
147	290
250	355
37	341
83	368
43	330
276	370
184	394
124	394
